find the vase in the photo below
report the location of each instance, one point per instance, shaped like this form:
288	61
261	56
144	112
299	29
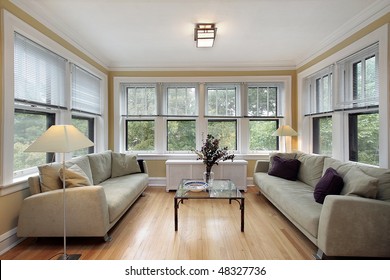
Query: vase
208	177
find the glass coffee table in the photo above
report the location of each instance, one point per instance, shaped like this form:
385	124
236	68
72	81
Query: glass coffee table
219	189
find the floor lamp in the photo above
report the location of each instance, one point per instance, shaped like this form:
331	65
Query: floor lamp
285	130
61	139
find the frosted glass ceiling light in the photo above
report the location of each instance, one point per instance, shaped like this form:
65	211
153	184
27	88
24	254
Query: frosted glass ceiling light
204	35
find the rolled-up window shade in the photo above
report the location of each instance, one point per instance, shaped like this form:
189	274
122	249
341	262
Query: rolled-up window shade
39	74
85	91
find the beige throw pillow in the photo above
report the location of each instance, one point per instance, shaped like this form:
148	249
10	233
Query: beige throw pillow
123	164
48	176
356	182
74	177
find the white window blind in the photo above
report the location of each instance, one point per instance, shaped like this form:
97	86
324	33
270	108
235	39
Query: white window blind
85	91
358	75
39	74
319	88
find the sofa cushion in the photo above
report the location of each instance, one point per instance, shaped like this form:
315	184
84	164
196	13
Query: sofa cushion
330	183
311	168
341	167
383	176
74	177
83	163
48	175
123	164
356	182
281	155
100	166
123	191
285	168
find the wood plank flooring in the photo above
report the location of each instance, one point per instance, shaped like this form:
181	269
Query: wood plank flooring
208	230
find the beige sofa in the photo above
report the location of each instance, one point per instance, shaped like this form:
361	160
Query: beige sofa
355	223
100	188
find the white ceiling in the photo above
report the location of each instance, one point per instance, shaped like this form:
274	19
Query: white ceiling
158	34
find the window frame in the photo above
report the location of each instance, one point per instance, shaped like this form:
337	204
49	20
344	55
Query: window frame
12	24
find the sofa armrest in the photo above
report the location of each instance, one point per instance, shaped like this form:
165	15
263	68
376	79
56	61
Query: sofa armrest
354	226
261	166
86	213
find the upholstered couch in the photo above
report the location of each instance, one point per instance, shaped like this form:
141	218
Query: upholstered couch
353	221
100	188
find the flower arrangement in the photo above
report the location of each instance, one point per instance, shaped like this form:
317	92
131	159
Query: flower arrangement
211	153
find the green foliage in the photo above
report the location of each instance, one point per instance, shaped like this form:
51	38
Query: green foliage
260	135
181	135
27	128
140	135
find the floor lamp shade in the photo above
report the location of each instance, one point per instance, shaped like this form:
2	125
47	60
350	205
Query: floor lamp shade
61	139
285	130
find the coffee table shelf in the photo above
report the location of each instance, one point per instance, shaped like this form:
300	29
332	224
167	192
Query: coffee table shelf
219	189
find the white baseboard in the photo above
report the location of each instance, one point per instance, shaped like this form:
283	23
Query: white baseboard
9	240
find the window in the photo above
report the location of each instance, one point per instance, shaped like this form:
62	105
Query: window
39	93
262	101
85	125
85	91
263	112
181	101
226	131
39	74
140	135
322	135
28	126
360	102
222	100
141	100
320	96
364	137
181	135
260	138
174	117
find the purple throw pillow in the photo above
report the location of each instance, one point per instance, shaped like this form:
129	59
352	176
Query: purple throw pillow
285	168
330	183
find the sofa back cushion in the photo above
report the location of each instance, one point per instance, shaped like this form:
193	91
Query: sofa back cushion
356	182
124	164
311	169
341	167
74	177
83	163
383	176
100	166
49	178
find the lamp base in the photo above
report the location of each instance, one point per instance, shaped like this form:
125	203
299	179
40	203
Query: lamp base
69	257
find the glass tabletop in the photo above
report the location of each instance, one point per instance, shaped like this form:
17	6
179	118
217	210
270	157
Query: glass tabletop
219	188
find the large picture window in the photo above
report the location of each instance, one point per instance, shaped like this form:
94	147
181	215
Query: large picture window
174	117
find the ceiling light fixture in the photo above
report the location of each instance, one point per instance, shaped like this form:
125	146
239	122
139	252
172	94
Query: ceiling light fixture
204	35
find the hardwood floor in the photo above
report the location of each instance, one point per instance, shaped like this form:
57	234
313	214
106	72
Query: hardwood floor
207	230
